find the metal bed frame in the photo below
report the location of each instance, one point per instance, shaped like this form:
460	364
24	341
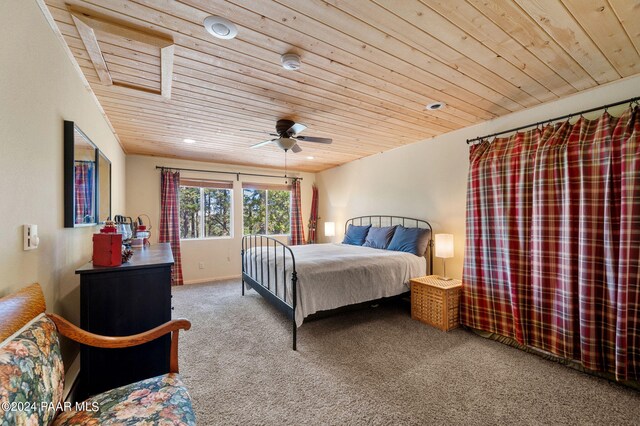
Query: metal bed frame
254	271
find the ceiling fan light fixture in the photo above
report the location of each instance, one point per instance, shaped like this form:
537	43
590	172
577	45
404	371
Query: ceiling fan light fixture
290	61
286	143
435	106
188	141
220	27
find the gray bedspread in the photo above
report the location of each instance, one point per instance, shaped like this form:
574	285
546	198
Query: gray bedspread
335	275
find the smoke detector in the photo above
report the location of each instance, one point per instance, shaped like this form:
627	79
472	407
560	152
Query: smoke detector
220	27
435	106
290	61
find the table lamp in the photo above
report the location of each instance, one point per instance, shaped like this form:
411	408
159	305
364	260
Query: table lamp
444	249
330	229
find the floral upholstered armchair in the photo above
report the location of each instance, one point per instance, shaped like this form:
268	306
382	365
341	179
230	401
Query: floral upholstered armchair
32	372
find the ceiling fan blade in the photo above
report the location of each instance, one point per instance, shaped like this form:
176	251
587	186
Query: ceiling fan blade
296	128
258	131
314	139
296	148
258	145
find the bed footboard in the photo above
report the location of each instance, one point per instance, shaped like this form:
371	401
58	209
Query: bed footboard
264	268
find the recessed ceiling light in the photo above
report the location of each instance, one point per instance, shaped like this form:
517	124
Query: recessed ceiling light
220	27
188	141
310	158
435	106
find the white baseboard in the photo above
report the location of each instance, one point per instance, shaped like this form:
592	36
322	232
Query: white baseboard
212	279
71	376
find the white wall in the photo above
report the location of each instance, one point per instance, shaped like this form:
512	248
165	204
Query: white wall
39	88
221	257
428	179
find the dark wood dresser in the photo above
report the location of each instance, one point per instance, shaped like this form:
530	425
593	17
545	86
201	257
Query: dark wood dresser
119	301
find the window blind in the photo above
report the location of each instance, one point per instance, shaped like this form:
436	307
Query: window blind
266	186
206	183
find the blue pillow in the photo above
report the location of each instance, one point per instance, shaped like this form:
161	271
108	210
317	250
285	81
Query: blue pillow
379	237
355	235
410	240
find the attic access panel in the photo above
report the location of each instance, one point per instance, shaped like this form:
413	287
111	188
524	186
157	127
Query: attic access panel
126	56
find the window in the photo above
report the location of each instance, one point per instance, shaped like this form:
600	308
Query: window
205	209
266	209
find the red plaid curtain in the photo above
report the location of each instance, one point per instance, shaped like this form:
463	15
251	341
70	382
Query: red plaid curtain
84	192
553	241
169	223
297	230
313	217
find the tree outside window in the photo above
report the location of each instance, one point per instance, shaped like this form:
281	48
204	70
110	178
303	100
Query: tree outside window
266	211
189	212
217	212
254	204
205	212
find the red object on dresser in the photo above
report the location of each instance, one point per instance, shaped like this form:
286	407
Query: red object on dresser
107	248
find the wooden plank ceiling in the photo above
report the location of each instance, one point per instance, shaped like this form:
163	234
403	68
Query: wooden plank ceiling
368	69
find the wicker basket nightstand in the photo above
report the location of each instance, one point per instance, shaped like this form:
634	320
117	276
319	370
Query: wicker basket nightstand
436	302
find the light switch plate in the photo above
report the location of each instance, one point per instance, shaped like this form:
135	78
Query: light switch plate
30	237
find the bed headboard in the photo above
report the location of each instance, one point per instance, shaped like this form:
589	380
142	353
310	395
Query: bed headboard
407	222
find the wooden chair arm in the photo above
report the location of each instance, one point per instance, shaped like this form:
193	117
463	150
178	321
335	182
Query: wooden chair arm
84	337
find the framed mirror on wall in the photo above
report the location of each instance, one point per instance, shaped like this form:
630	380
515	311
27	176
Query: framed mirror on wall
87	180
104	187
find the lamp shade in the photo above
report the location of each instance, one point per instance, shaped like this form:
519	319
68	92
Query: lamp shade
329	229
444	245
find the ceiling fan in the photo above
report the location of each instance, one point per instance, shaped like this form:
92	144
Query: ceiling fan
287	136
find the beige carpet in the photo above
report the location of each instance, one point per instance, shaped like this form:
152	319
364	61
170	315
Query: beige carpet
375	366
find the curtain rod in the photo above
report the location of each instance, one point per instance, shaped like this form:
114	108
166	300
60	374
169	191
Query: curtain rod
229	173
604	107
